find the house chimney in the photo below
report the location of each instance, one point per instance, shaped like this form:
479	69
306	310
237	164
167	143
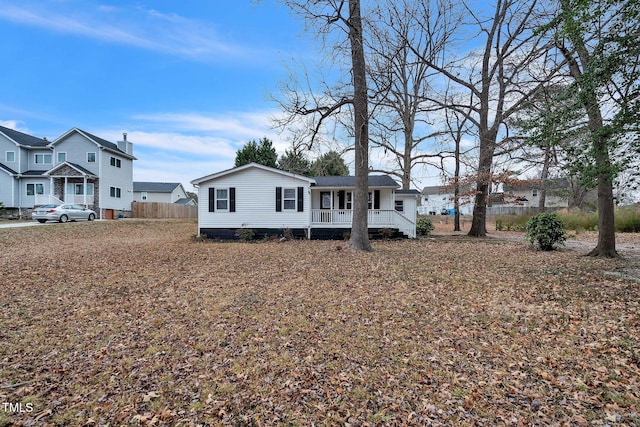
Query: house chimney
125	145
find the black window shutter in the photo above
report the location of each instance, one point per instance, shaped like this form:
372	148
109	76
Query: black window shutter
212	199
278	199
232	199
300	199
376	199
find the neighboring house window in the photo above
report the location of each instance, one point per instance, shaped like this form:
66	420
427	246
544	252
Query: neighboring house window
33	189
370	201
79	189
349	204
10	156
535	193
91	157
62	157
144	195
116	162
43	158
400	205
89	189
115	192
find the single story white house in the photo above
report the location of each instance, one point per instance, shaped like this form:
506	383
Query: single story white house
270	201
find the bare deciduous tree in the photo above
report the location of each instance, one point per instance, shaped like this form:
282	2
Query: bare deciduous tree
324	16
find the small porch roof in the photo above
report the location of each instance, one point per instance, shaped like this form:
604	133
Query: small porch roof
375	181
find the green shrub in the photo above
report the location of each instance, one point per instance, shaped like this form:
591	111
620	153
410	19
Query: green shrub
424	227
245	234
546	230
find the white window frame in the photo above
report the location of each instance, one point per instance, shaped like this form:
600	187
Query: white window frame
399	205
291	206
115	192
36	189
222	199
144	195
62	154
348	203
94	157
115	162
6	156
43	157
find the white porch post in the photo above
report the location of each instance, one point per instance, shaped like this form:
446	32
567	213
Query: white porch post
84	186
52	192
66	187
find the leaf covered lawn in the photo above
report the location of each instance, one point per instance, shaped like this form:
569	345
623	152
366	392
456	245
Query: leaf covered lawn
137	323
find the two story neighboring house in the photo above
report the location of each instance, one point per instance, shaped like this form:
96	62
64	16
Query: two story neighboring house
77	167
161	192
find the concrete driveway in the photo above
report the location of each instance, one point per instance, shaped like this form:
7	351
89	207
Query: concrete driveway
15	224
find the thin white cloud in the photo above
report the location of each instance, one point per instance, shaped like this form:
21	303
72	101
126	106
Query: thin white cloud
15	125
133	26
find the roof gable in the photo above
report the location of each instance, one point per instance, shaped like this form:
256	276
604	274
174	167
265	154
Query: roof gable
23	139
238	169
65	165
100	142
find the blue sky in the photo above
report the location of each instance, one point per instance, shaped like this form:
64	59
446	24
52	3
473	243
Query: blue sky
189	81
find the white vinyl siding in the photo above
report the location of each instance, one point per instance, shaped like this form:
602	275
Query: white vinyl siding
255	201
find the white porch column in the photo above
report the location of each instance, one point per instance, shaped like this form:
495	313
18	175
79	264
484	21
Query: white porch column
84	186
66	187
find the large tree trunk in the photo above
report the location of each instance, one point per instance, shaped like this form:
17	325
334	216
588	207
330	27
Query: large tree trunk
359	228
606	247
479	221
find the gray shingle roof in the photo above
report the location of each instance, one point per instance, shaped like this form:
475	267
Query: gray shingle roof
24	139
350	181
155	187
183	201
102	142
407	192
8	169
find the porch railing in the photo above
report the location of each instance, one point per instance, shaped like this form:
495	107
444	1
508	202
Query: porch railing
47	199
376	218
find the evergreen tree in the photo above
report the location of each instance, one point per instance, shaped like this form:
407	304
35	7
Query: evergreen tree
261	152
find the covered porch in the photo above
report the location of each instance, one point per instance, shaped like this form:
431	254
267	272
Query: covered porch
332	208
72	183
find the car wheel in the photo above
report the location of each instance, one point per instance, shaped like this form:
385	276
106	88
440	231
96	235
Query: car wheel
42	221
92	217
64	218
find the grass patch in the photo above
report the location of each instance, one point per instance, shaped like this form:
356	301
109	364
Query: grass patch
627	220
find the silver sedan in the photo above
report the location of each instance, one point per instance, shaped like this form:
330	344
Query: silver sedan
62	213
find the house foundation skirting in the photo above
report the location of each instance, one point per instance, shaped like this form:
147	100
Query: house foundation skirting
299	233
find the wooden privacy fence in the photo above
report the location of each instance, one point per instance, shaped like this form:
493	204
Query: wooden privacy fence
162	210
